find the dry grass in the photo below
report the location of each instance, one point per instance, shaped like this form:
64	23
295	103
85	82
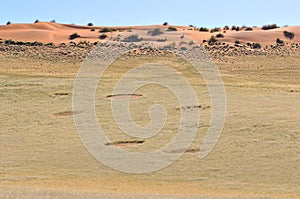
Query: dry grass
257	154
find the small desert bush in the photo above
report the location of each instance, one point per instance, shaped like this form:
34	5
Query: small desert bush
212	40
279	41
203	29
215	30
249	29
220	35
269	26
226	28
165	23
289	35
133	38
256	46
162	40
93	29
107	30
8	23
237	42
74	36
233	27
172	28
53	21
155	32
103	36
90	24
36	21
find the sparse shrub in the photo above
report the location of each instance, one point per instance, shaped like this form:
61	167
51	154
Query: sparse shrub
74	36
191	42
107	30
233	28
53	21
215	30
212	40
162	40
8	23
165	23
36	21
182	36
238	28
256	46
50	44
279	41
269	27
8	42
289	35
249	29
90	24
93	29
172	28
203	29
103	36
226	28
155	32
133	38
219	35
237	42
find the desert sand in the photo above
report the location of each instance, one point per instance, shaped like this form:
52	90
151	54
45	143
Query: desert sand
257	155
47	32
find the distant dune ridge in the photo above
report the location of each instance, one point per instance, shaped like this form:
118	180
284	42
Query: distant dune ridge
50	32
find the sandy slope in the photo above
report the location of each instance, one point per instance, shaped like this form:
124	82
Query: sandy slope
57	33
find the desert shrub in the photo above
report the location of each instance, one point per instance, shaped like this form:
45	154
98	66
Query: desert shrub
237	42
74	36
238	28
133	38
107	30
289	35
162	40
220	35
226	28
165	23
191	43
233	27
155	32
215	30
249	29
212	40
103	36
279	41
269	27
8	23
36	21
36	43
93	29
256	46
10	41
203	29
53	21
204	41
50	44
172	28
90	24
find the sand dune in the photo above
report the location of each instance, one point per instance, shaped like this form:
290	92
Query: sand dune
57	33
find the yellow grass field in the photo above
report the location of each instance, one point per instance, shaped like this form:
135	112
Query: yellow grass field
257	155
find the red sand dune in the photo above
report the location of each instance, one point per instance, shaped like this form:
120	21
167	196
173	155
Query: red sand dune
57	33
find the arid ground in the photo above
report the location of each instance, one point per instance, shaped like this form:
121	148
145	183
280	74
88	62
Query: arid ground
257	155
